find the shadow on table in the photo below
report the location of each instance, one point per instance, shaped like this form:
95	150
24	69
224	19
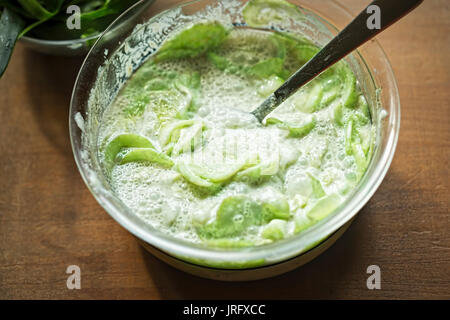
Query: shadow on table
50	81
325	277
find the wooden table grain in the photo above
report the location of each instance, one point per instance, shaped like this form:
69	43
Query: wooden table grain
49	220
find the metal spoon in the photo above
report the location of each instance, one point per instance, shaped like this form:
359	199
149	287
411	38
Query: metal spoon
353	36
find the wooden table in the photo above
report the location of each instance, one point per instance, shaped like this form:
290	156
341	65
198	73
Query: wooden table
49	220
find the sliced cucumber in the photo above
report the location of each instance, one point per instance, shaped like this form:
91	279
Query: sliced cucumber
261	13
186	171
144	154
324	207
349	94
275	230
220	173
127	140
189	139
270	85
349	137
171	132
267	68
308	98
317	188
302	222
234	215
193	42
338	114
275	206
298	128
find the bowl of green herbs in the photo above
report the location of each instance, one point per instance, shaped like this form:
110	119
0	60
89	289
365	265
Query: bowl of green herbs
57	27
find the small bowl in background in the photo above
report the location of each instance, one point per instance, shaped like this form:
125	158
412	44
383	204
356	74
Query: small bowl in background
80	47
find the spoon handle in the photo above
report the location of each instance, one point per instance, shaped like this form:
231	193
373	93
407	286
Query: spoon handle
353	36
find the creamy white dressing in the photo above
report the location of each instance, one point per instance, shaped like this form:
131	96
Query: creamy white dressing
313	173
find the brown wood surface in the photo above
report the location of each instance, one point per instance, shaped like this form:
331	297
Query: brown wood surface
49	219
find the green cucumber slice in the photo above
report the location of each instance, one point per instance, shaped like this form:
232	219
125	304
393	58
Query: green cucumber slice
261	13
189	139
186	171
324	207
193	42
144	154
275	206
317	188
308	98
275	230
128	140
234	215
189	86
338	114
219	173
298	128
349	93
269	86
171	131
267	68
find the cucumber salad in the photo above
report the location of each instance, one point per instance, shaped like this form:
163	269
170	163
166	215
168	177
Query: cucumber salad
182	151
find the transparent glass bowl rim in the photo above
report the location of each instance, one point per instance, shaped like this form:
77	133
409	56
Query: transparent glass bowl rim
277	251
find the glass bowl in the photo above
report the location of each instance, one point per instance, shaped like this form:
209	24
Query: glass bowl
110	63
79	47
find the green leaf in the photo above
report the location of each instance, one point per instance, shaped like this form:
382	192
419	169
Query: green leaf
41	14
10	26
35	9
95	16
193	42
8	4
